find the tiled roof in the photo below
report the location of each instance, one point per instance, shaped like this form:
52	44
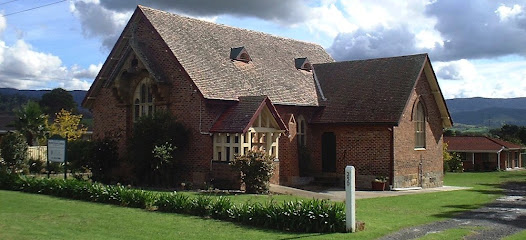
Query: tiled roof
239	117
477	144
506	144
203	49
367	91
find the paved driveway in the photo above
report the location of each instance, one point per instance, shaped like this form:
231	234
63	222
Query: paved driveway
504	217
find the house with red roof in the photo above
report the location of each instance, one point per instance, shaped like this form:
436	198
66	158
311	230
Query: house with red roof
238	90
480	153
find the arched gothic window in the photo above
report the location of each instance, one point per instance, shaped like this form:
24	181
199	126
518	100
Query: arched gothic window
143	99
301	131
420	126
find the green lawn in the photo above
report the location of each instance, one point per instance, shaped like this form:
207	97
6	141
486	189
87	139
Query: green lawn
30	216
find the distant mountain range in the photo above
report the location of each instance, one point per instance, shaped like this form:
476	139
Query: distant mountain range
78	95
490	112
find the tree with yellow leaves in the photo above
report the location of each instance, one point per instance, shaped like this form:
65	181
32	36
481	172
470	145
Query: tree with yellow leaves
67	125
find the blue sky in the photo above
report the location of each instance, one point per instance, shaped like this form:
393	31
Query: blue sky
476	46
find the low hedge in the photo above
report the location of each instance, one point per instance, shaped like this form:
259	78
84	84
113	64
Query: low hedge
298	216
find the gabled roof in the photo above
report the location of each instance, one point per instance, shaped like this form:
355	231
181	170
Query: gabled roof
478	144
239	117
203	50
374	90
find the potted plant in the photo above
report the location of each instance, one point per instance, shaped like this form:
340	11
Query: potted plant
378	184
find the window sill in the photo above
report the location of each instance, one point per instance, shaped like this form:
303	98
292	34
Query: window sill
420	149
218	161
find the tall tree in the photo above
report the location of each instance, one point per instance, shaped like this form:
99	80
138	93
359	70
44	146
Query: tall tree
511	133
56	100
67	125
31	122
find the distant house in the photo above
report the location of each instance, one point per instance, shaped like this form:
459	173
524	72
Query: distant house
238	90
484	153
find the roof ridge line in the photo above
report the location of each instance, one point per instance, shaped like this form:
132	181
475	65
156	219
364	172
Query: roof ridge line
227	26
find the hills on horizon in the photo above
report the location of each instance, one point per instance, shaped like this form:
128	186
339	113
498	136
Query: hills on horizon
479	111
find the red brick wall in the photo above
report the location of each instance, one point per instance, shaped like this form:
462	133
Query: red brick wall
367	148
408	162
109	119
289	169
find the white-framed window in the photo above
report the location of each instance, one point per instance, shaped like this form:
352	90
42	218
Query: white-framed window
263	135
301	131
420	126
143	100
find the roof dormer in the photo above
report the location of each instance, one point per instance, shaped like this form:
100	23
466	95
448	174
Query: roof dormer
240	54
303	64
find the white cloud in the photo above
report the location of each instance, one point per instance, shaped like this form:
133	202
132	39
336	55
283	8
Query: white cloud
329	20
455	70
506	12
99	22
492	79
89	73
75	84
23	67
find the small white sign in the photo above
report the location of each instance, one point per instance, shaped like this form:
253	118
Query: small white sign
350	199
56	150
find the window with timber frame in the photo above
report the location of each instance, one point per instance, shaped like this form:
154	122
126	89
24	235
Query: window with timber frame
263	135
301	131
143	100
420	126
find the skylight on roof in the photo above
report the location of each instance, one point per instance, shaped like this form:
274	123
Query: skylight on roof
303	64
240	54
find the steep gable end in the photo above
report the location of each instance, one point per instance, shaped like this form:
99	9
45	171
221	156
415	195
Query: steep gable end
250	112
447	122
367	91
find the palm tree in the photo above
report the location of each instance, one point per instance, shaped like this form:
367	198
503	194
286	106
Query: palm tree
31	121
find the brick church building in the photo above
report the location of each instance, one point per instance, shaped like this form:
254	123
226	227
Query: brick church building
237	90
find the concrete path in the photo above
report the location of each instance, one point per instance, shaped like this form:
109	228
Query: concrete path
336	194
504	217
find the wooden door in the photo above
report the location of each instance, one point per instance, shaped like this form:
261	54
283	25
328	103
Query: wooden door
328	152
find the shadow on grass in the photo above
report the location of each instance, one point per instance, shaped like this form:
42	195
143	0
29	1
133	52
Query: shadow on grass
507	211
457	210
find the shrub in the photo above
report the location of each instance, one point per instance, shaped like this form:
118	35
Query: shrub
79	152
13	150
156	142
103	157
256	170
36	166
455	163
172	202
452	161
298	216
8	180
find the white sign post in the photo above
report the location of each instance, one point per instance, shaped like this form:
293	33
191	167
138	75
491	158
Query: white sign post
350	199
56	152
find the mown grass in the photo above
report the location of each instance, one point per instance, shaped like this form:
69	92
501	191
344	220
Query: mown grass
27	216
517	236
